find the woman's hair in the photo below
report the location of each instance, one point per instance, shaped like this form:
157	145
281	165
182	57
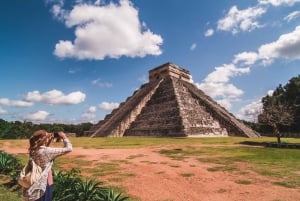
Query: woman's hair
38	139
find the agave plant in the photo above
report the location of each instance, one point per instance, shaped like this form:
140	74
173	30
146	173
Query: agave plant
112	196
64	183
88	190
11	167
8	163
68	186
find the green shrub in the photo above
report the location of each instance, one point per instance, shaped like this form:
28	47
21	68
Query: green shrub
11	167
111	196
9	163
68	186
63	184
89	190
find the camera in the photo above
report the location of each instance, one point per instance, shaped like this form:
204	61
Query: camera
56	137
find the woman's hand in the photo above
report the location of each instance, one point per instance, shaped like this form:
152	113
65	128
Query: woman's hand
62	135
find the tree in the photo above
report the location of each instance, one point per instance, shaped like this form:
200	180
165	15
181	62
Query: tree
292	97
281	110
275	113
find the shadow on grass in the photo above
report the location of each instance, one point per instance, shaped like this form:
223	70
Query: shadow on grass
272	144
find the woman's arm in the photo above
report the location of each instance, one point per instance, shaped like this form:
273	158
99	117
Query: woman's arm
52	153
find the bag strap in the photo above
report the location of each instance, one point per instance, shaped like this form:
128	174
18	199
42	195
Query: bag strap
44	175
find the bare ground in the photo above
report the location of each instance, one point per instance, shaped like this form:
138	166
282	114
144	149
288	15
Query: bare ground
155	177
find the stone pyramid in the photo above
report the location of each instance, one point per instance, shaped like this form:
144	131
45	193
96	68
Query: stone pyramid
169	105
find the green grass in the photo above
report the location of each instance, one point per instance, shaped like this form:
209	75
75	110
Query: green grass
135	156
121	177
244	182
286	184
137	142
175	154
281	164
9	196
222	168
187	174
74	161
222	190
103	169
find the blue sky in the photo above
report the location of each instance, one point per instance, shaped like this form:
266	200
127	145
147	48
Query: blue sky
74	61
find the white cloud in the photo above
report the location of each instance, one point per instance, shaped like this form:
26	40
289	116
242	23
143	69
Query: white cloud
97	2
15	103
279	2
220	90
223	73
58	12
92	109
250	111
56	97
292	16
143	79
226	103
2	111
37	116
73	70
270	92
241	20
107	31
217	86
101	84
108	106
248	58
287	47
88	116
217	83
209	33
193	46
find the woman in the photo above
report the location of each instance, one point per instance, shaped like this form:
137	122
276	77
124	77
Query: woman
43	156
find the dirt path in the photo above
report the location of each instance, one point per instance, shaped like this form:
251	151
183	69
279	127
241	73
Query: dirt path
155	177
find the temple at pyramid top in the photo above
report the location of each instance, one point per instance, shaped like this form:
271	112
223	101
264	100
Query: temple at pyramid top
169	105
169	69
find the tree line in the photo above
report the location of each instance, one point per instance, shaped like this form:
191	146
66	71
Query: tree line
22	130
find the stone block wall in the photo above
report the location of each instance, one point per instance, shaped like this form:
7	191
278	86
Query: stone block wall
227	120
115	124
196	119
160	116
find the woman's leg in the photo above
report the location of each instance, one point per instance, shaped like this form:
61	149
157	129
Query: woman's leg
48	193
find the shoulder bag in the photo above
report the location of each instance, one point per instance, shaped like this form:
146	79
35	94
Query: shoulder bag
29	174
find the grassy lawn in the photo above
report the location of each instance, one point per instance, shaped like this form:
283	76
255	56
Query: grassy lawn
7	195
136	142
282	164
